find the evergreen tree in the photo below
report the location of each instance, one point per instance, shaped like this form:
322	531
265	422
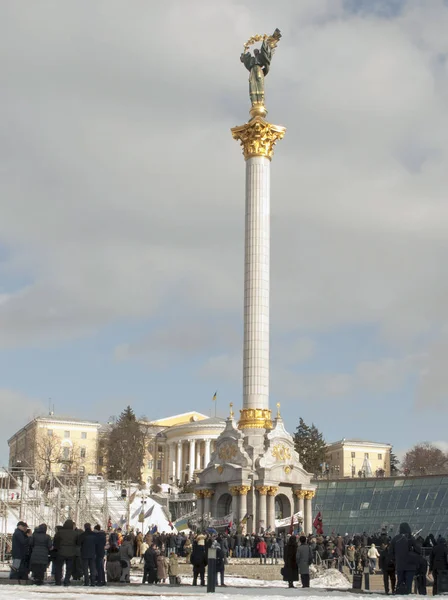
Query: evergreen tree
311	446
394	462
125	448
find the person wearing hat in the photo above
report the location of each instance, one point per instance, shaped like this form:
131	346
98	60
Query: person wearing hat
198	559
19	552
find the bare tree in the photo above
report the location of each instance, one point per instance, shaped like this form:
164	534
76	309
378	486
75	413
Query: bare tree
425	458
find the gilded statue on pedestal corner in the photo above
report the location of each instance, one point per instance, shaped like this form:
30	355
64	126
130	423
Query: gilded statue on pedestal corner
259	63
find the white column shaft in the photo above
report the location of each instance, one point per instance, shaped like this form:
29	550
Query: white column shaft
179	461
191	465
308	520
256	284
207	453
198	454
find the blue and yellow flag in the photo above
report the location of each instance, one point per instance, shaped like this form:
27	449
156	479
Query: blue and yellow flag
214	395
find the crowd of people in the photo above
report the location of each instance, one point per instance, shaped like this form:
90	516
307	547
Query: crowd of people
97	557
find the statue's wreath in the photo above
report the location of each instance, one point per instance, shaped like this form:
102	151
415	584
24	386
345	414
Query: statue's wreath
271	39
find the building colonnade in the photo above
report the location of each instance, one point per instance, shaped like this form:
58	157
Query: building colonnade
262	505
185	457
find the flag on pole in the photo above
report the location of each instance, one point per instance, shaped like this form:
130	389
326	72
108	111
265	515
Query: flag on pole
149	512
214	396
318	524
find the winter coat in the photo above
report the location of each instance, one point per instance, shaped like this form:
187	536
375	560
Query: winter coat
304	557
290	571
350	553
261	547
438	560
100	544
404	550
126	551
143	548
87	541
40	544
20	543
150	557
373	552
113	566
198	557
66	540
173	569
162	567
386	564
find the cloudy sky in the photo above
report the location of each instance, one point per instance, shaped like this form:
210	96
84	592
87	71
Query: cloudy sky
122	208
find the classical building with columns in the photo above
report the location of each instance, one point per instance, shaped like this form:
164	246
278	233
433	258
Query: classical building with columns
179	447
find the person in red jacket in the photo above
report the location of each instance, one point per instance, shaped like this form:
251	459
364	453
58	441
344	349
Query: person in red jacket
262	550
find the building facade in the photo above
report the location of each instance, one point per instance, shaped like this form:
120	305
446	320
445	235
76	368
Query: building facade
358	458
55	445
178	447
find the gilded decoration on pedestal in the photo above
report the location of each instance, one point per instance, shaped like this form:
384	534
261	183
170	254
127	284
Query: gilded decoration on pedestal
234	490
199	493
258	137
257	418
309	494
281	452
243	489
227	452
272	491
287	469
262	490
220	469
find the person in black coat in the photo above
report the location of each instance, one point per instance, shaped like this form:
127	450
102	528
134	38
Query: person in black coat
87	541
387	566
65	542
40	545
405	552
150	565
290	571
198	559
438	561
19	552
100	552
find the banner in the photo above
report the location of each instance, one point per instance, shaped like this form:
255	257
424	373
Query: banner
222	521
298	516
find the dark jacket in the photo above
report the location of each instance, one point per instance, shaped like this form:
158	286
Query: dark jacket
66	540
40	544
100	544
290	571
438	560
113	566
386	563
198	557
20	543
150	557
126	551
87	541
404	550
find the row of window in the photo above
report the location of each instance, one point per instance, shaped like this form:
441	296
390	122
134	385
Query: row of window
366	455
67	434
66	452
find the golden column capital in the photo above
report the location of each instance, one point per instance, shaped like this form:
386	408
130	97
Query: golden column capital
258	137
309	494
262	490
208	493
199	493
234	490
243	489
272	491
300	494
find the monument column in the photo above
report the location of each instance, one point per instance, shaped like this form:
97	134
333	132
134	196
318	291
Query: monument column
191	466
262	492
207	452
272	492
207	494
257	138
179	462
308	516
242	508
